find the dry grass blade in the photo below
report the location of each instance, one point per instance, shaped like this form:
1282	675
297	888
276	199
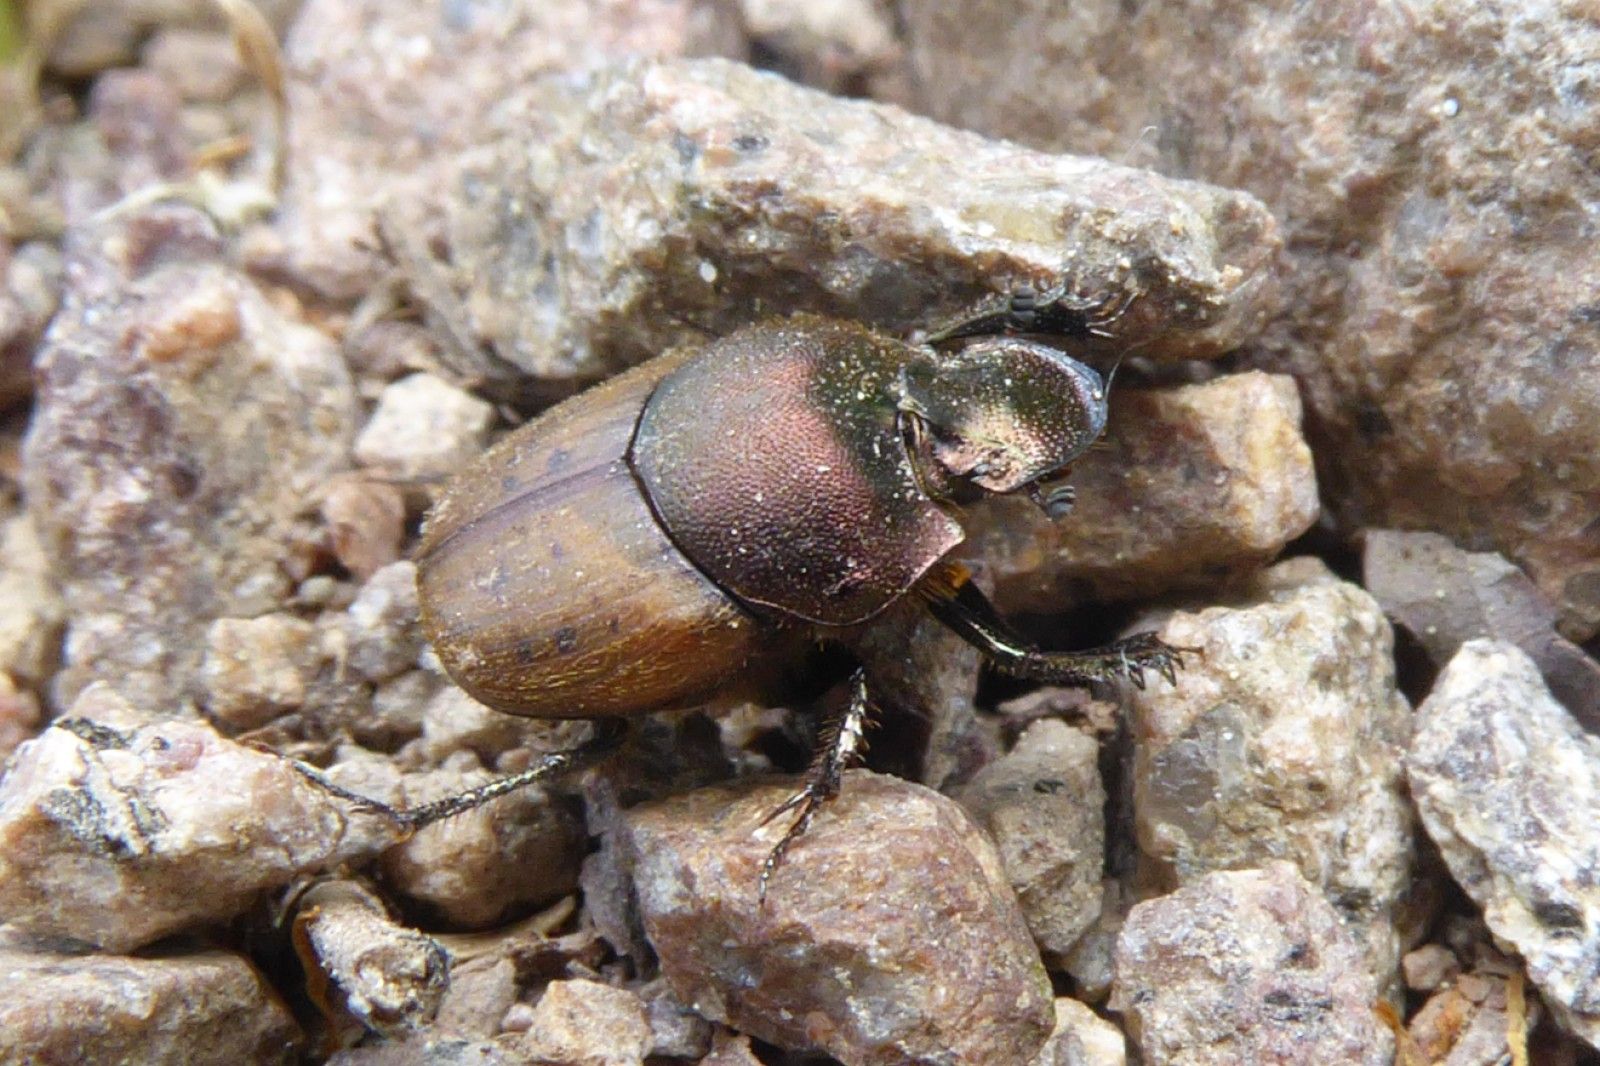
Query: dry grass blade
258	50
1407	1053
1517	1018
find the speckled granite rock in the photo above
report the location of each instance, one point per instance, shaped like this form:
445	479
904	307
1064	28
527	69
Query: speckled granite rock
889	935
1044	805
381	95
715	193
1082	1038
1430	163
584	1023
118	838
1508	786
1444	597
1283	740
1247	966
181	424
1192	486
200	1007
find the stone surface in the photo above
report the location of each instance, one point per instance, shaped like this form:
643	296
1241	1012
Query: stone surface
1190	486
838	46
181	424
719	194
106	33
483	865
1428	967
424	429
1430	164
117	839
382	94
30	287
258	668
1444	597
1283	739
365	518
1082	1038
383	975
1044	805
889	934
190	1005
1508	787
1467	1023
582	1023
1247	966
30	606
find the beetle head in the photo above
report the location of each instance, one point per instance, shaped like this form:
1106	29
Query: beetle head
1005	412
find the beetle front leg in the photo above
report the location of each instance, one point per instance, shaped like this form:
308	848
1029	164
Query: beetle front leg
1057	311
608	735
956	602
839	742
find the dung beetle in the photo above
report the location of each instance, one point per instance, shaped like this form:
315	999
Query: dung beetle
636	547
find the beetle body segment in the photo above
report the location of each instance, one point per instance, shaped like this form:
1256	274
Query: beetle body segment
548	588
776	460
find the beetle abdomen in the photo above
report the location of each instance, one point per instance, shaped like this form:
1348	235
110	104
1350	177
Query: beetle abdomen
548	589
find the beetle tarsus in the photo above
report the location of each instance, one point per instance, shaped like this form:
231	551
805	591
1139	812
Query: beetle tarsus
607	738
840	741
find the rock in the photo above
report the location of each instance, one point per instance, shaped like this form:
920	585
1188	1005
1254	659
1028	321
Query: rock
366	521
1283	740
30	605
479	867
1247	966
836	47
182	422
1082	1038
431	1051
1508	787
382	94
1444	597
424	429
256	669
107	33
383	975
379	635
1467	1023
1407	165
482	993
722	193
1428	967
1192	486
675	1029
1045	808
29	293
889	933
582	1023
731	1049
20	717
191	1005
118	839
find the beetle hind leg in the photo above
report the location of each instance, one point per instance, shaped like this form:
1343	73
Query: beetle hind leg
956	602
608	735
839	743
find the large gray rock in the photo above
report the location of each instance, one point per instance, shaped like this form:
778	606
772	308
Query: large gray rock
1283	739
1432	166
890	934
182	423
1508	787
1247	966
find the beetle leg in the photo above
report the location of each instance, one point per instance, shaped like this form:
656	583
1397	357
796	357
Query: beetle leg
607	738
1056	311
838	744
956	602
